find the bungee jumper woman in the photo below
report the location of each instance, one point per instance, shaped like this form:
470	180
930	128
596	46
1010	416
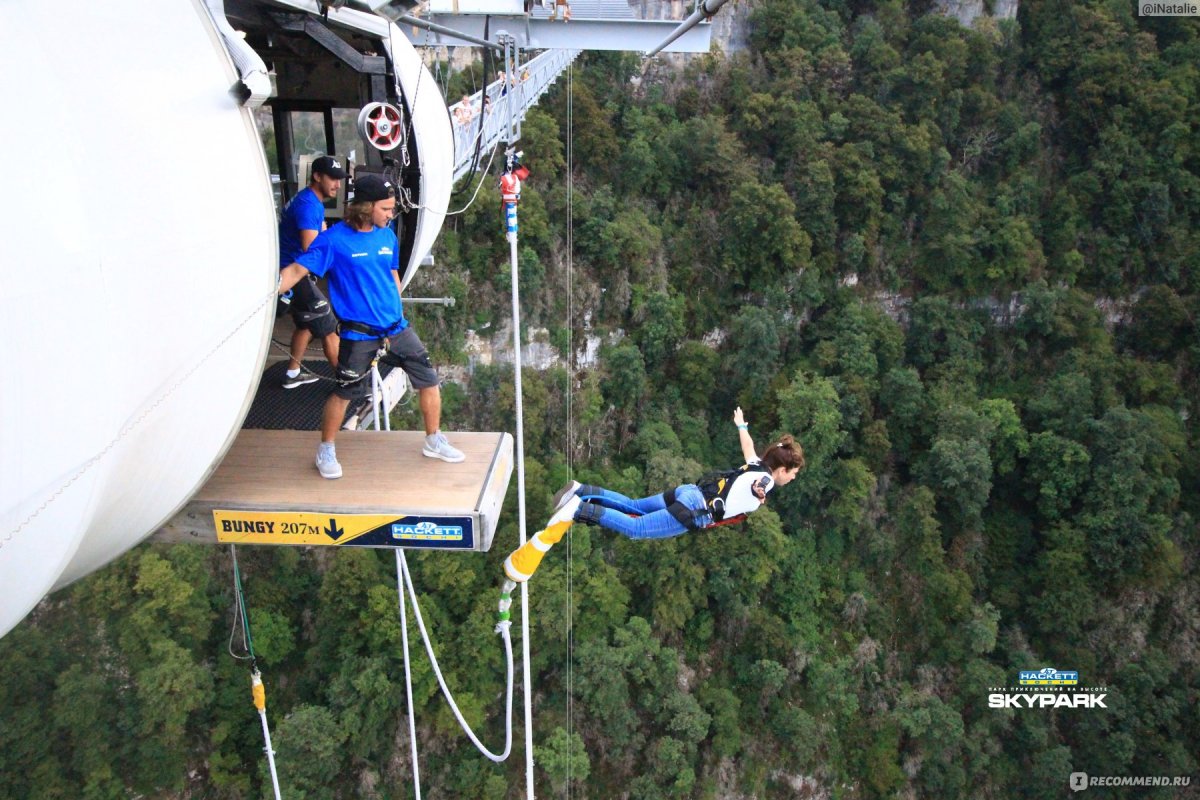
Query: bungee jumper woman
718	499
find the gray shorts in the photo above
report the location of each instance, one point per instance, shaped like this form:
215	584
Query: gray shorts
404	350
311	310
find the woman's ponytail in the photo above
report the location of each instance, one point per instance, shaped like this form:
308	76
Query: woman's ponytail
785	452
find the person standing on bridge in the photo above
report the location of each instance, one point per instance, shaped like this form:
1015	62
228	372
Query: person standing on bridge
360	258
464	113
565	8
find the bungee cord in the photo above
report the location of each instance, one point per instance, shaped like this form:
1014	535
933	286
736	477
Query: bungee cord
258	692
570	626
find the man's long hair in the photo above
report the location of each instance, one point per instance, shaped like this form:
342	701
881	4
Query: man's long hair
358	214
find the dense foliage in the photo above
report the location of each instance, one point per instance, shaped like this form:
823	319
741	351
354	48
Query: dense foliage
959	264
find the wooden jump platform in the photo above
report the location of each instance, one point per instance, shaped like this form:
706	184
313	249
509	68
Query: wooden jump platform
267	491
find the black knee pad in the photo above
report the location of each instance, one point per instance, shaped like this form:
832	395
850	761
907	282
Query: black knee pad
589	513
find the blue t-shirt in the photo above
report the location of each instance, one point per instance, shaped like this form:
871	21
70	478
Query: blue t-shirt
304	213
360	267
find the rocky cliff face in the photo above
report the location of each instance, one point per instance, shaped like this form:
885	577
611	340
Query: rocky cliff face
967	11
729	24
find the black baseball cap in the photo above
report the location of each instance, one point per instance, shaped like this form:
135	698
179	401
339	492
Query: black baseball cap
327	165
372	188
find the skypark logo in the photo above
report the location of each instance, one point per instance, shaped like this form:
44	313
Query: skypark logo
1047	700
1047	688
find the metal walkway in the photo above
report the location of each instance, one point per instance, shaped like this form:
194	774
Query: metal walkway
498	119
594	25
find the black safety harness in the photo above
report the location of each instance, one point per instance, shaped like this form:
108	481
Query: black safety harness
374	331
715	487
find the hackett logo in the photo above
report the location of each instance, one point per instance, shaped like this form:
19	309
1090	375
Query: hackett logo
1048	676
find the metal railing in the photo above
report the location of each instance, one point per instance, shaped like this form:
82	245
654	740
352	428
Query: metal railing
494	114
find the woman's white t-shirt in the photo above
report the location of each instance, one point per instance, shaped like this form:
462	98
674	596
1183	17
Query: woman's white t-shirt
741	498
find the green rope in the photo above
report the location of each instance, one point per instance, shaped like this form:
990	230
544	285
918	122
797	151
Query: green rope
241	601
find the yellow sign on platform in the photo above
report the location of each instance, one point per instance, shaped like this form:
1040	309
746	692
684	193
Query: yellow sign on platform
363	530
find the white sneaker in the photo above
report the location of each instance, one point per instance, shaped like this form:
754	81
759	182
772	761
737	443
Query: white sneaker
436	446
327	463
566	512
565	494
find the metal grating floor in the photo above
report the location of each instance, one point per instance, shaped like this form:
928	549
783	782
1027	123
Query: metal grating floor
278	409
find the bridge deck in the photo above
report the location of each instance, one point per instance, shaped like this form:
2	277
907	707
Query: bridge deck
267	491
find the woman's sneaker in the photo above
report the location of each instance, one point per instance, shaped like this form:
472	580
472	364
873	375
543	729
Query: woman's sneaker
565	494
565	513
436	446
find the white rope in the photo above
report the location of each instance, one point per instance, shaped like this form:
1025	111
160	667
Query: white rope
255	676
387	404
527	681
270	753
470	202
381	405
376	393
404	579
482	178
570	424
412	724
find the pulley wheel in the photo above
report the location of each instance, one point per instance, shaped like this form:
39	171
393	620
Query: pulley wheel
380	124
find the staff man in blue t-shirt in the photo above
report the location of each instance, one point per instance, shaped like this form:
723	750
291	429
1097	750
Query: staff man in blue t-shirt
301	221
359	256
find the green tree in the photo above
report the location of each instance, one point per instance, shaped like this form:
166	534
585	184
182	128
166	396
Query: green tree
660	327
564	758
809	409
958	465
1009	441
751	358
762	239
1058	468
1133	488
625	383
169	687
1064	603
309	754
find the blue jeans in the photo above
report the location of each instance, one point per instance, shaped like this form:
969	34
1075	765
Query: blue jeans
654	521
